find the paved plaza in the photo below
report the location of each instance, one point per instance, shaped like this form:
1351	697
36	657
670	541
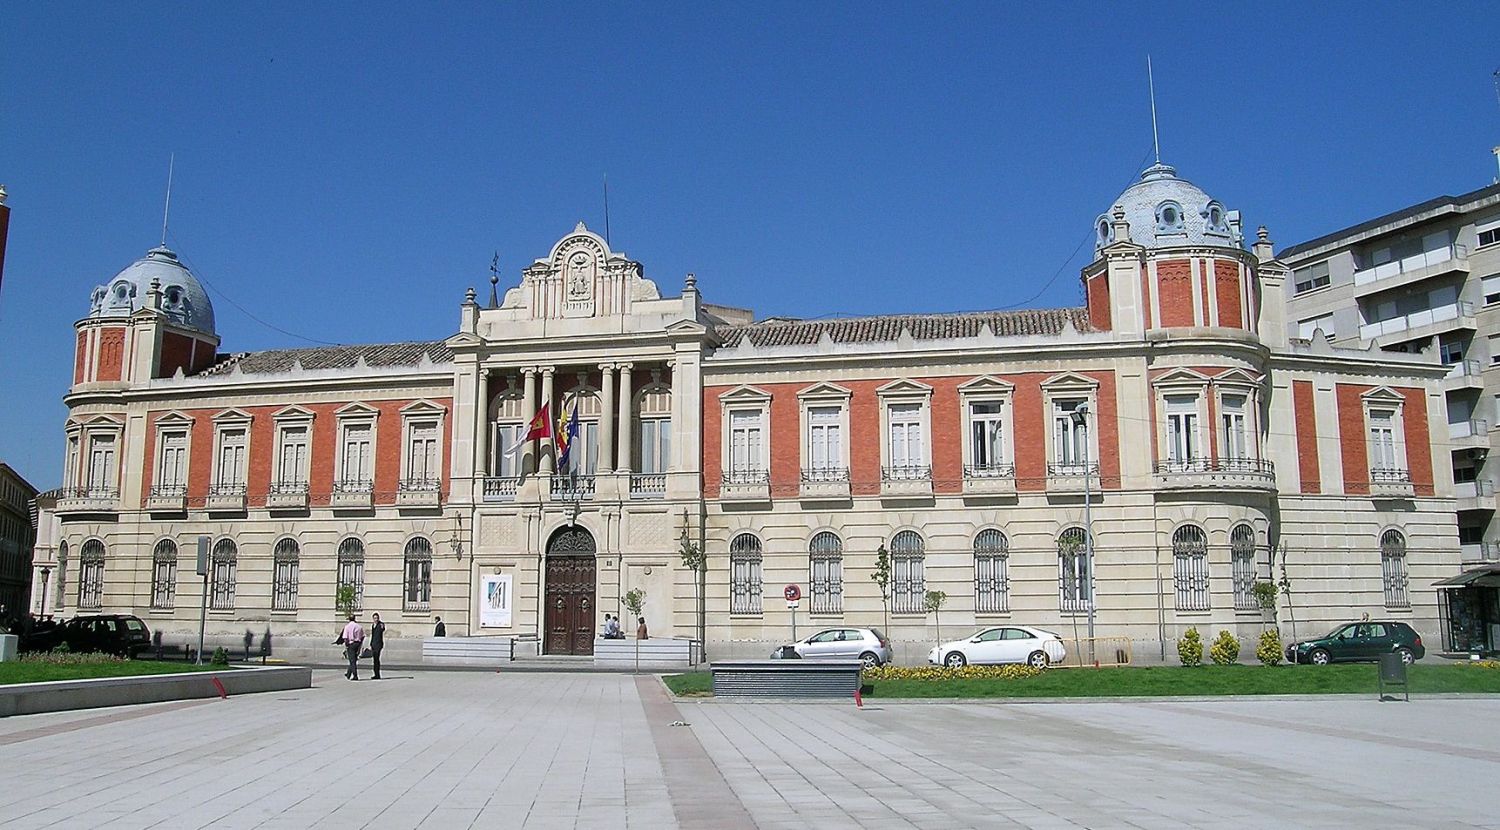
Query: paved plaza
542	750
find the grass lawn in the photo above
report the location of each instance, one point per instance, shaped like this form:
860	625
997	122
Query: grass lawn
29	672
1155	681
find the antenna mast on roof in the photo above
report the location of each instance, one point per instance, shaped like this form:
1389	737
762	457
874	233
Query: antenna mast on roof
1496	149
167	208
1151	83
606	209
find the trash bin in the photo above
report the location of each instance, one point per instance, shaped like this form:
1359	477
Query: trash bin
1393	673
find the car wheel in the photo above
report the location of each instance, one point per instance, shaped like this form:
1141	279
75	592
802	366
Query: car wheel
1406	656
1319	657
955	660
870	660
1038	660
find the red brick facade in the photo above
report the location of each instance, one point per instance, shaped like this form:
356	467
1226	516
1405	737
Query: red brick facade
1174	280
1227	293
1306	422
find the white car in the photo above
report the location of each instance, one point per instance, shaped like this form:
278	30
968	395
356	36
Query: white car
1002	644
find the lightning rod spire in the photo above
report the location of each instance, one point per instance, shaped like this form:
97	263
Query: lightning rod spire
167	208
1151	82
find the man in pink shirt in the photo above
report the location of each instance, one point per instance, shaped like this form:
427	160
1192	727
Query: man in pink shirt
354	639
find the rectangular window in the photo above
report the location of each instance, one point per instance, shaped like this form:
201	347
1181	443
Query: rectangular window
1489	233
655	445
359	454
584	456
906	446
908	584
987	437
164	583
1242	564
231	471
1182	429
1236	445
102	469
1451	351
171	466
221	598
1324	322
1310	277
1383	440
292	459
1492	289
91	584
70	465
991	583
1074	585
284	585
746	438
1190	581
1069	439
418	584
422	459
507	464
825	441
827	577
744	584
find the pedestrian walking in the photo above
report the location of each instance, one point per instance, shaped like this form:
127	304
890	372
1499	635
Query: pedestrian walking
377	642
354	640
439	630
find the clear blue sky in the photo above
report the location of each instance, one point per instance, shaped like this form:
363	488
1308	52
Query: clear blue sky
345	172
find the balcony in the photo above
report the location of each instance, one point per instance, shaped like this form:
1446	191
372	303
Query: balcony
1465	374
989	480
1427	322
287	495
167	498
571	488
1415	268
824	483
906	481
350	495
746	485
501	488
1471	434
648	485
1481	552
1390	483
1475	495
88	500
226	497
418	492
1072	478
1217	473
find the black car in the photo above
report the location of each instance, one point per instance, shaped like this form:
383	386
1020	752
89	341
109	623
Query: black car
1365	640
120	634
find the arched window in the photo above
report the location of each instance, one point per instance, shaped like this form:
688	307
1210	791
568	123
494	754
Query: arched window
508	423
826	572
1190	568
744	574
418	558
991	572
352	569
908	579
1075	583
653	446
1169	217
286	572
164	574
91	574
225	561
1393	569
583	454
1242	565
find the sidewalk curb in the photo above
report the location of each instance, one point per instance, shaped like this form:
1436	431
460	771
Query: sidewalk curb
994	701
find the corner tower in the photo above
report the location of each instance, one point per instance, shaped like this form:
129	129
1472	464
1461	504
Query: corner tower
149	321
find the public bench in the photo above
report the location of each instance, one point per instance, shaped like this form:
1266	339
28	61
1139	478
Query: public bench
657	652
786	678
468	651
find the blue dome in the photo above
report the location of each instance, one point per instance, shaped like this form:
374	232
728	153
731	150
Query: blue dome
1165	211
183	299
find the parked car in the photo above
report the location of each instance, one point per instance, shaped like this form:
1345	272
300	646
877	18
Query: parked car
1365	640
1002	644
865	644
120	634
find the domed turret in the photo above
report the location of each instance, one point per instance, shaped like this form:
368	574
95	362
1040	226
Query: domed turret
183	299
1164	211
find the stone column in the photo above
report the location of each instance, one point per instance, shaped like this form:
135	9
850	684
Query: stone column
548	447
623	463
607	418
483	460
528	410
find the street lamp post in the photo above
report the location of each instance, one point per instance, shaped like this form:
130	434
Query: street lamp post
41	605
1080	420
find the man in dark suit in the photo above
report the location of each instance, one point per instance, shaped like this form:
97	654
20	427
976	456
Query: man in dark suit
377	642
440	630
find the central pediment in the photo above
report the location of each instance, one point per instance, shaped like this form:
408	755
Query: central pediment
581	277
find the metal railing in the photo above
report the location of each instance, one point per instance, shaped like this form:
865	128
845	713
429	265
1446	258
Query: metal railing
1072	469
906	472
1417	319
747	477
1216	465
989	471
95	493
227	489
1411	264
168	491
354	486
419	485
821	475
1389	475
288	488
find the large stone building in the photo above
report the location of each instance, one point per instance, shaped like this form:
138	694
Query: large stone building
1172	413
1426	279
17	537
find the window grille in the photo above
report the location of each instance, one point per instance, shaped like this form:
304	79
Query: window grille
91	574
1190	568
1393	569
991	572
222	567
908	582
744	574
286	572
352	569
164	574
1242	560
1075	583
418	575
826	568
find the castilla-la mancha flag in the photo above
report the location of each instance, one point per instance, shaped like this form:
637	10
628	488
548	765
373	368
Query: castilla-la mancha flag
540	427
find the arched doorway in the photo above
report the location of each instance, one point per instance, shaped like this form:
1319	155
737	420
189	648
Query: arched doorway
569	617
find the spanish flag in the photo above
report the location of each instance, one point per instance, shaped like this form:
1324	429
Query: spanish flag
567	435
540	427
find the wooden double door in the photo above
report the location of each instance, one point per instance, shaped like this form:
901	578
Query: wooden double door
570	599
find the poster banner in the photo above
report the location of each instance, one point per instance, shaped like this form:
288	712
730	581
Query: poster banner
494	600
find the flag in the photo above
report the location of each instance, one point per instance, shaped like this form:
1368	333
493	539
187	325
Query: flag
566	437
540	427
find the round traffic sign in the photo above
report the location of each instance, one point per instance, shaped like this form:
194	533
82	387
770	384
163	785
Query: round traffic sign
793	593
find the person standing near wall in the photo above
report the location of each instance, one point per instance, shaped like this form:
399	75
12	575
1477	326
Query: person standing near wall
354	640
377	642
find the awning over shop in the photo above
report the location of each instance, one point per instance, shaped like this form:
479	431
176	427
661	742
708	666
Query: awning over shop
1485	576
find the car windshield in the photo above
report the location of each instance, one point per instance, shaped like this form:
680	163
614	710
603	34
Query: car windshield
1337	629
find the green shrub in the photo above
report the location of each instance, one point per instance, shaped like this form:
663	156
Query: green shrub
1190	648
1269	651
57	657
221	657
1006	672
1225	649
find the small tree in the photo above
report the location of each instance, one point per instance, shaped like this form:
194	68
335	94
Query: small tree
343	600
1265	597
695	560
1285	584
635	600
933	602
882	577
1190	648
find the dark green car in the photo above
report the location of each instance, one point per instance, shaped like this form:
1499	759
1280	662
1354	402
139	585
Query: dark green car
1352	642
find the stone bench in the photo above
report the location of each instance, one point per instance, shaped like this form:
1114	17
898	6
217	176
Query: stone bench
786	678
656	653
469	651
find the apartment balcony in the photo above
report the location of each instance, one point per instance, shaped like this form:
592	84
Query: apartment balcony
501	488
167	498
648	485
418	492
352	495
825	483
1390	483
989	480
746	485
226	498
908	481
571	488
287	495
1216	473
1072	478
1475	495
1412	269
88	500
1472	434
1481	552
1424	323
1465	374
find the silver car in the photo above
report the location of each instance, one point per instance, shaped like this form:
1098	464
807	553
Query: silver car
865	644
